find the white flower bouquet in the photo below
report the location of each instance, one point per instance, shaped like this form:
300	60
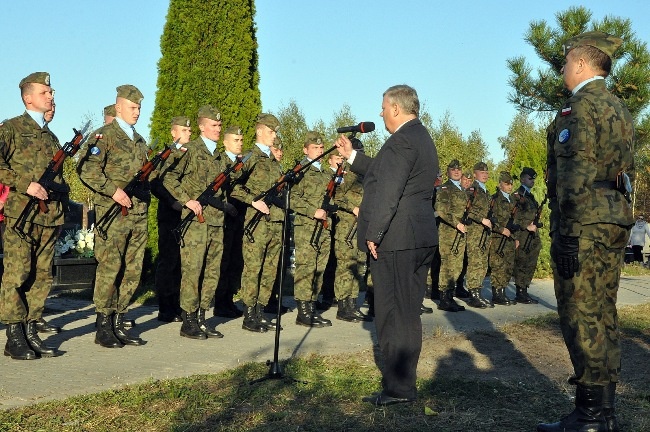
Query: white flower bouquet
79	242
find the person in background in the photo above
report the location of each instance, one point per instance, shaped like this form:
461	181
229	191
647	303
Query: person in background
640	230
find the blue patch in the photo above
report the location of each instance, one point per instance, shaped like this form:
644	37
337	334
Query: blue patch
95	151
564	136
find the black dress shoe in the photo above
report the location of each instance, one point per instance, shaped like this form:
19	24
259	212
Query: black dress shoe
383	399
168	317
425	309
43	326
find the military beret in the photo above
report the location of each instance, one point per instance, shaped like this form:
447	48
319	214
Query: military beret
36	78
269	120
181	121
233	130
480	166
603	41
529	172
467	174
130	92
313	137
277	142
109	110
455	163
209	112
505	177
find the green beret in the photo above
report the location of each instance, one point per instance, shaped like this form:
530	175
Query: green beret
313	137
603	41
505	177
181	121
36	78
233	130
455	163
209	112
529	172
277	142
130	92
269	120
481	166
109	110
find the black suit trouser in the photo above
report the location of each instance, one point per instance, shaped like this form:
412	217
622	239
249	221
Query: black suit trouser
399	280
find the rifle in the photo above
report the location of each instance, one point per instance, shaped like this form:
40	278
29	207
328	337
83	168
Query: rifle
337	179
351	233
207	196
531	234
47	180
510	225
464	219
293	175
133	188
485	235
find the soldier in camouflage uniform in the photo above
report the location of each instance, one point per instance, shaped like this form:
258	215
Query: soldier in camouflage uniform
503	243
109	114
232	262
168	270
450	204
478	232
590	162
118	153
311	257
202	245
348	259
530	244
26	148
261	251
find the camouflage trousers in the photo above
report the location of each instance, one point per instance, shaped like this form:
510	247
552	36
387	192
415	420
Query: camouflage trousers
232	261
27	277
119	262
526	262
586	305
310	260
348	265
451	263
200	265
502	261
261	263
477	257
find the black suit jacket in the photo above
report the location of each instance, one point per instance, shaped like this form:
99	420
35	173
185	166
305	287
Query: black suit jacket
396	212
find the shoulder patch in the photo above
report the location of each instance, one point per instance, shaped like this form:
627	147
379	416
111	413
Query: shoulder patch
99	136
566	111
95	151
564	136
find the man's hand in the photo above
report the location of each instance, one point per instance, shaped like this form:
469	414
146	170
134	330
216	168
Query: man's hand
37	191
195	206
564	251
506	232
372	248
460	227
344	145
532	227
320	214
486	222
121	198
355	211
261	206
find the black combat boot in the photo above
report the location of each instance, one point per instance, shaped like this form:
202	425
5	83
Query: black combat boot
475	299
121	333
609	407
105	336
317	316
447	302
251	322
306	315
190	327
17	346
211	333
259	311
499	297
43	326
586	417
523	297
35	342
462	292
343	313
354	309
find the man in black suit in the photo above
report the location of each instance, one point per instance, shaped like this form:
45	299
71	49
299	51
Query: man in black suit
397	226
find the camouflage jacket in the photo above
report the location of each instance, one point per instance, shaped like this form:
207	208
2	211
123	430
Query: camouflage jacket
25	151
111	161
502	212
480	204
451	202
590	141
259	174
190	176
348	195
307	196
528	206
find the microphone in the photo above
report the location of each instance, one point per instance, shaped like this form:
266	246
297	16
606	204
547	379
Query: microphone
362	127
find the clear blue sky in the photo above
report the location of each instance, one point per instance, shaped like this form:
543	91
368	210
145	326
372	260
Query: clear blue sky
322	54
